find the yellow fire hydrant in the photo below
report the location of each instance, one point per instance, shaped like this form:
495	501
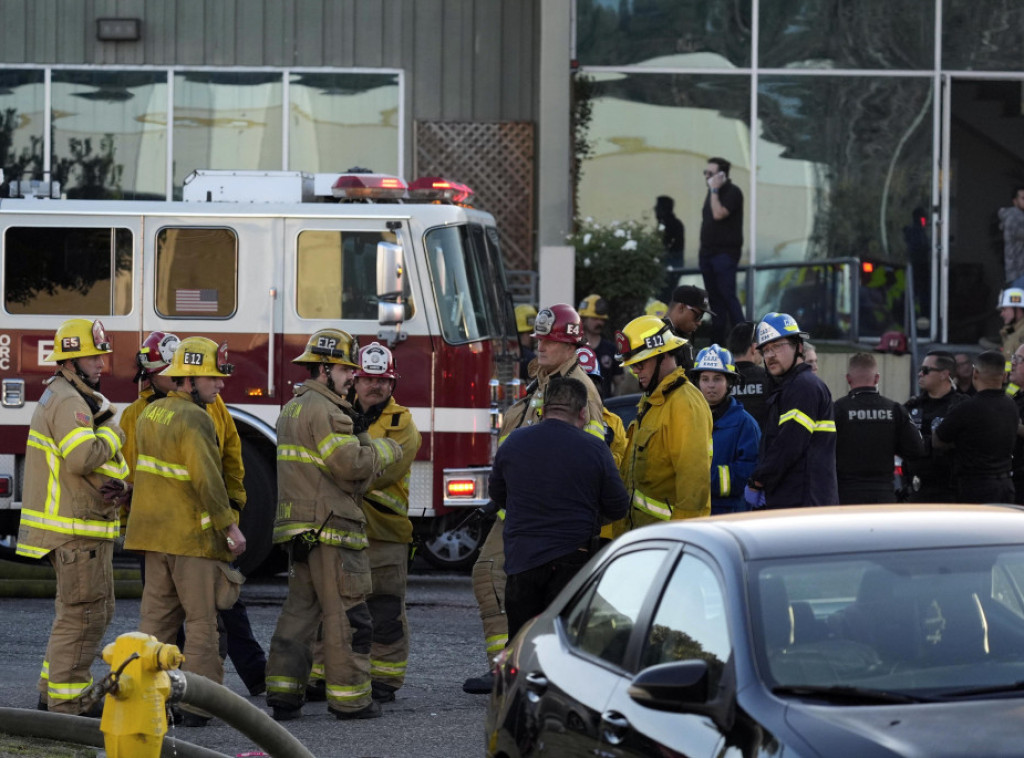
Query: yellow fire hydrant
135	712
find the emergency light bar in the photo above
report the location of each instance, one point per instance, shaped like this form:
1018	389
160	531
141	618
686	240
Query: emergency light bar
368	187
436	188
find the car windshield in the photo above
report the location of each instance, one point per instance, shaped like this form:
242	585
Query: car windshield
935	623
469	283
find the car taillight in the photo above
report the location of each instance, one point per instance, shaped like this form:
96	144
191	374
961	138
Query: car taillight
462	488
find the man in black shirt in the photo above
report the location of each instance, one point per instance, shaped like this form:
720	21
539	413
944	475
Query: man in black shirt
870	431
752	389
721	240
673	237
983	429
685	312
929	479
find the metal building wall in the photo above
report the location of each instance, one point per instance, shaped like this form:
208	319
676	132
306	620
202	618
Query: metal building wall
465	60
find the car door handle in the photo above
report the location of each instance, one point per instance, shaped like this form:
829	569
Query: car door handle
536	682
614	727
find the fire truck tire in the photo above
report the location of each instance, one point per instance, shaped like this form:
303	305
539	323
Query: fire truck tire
257	522
454	549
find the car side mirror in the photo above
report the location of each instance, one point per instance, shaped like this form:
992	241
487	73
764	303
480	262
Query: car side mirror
684	687
390	283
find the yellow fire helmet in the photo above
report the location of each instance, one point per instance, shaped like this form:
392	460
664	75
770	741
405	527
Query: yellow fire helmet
525	316
645	337
199	356
656	308
79	338
330	346
593	306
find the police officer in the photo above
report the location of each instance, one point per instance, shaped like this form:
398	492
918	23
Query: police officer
74	448
558	331
930	479
797	461
752	388
870	431
668	453
386	507
983	430
181	514
325	460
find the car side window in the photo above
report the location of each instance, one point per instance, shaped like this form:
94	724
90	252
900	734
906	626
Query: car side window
690	621
601	620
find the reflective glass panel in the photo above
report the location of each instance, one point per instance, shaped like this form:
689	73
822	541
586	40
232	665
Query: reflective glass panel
983	35
651	135
340	121
110	134
196	273
66	270
226	120
885	34
21	124
844	162
694	34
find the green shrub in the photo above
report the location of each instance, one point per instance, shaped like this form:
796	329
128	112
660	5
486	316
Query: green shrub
621	262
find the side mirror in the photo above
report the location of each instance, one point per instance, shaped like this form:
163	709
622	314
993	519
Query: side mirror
671	686
390	284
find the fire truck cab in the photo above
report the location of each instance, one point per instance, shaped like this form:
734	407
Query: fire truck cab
261	260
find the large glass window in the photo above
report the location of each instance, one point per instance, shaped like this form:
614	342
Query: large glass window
337	275
196	272
68	271
226	120
652	134
983	35
109	134
339	121
884	34
22	100
697	33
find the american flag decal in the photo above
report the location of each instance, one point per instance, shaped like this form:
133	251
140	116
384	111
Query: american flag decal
196	301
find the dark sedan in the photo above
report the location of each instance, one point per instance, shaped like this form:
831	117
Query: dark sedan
855	632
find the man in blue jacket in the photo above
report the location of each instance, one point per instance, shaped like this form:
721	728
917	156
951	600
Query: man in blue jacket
797	462
735	436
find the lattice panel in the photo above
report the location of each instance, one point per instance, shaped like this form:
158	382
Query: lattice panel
496	160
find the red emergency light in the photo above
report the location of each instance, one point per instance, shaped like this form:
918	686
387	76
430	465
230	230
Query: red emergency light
462	488
368	187
867	267
437	188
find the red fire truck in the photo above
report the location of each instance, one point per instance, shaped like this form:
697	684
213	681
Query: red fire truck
261	260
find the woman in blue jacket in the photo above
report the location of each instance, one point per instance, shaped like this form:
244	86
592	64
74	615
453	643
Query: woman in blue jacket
735	436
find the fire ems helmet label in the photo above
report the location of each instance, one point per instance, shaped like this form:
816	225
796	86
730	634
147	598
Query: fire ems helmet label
67	344
192	359
544	321
375	360
1016	299
654	341
710	360
573	330
328	343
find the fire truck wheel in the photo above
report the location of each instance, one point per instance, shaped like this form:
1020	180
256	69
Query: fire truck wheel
454	549
257	521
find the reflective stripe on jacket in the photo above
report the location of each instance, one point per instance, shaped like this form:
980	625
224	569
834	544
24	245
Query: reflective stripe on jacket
386	505
668	457
180	505
323	468
736	436
67	460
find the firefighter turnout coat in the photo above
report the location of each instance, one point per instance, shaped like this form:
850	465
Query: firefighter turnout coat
67	459
667	467
323	468
386	504
180	505
736	438
797	463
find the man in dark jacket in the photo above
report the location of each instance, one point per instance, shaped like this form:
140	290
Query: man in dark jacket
870	431
752	388
556	483
797	462
1015	389
930	479
983	429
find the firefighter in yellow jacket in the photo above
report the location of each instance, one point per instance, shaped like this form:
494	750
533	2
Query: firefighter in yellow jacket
558	331
325	461
667	467
73	450
181	515
386	506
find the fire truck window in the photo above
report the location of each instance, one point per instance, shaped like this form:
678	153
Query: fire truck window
461	288
67	271
337	275
196	272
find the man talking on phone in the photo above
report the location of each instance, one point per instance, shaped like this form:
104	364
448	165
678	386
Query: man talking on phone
721	240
